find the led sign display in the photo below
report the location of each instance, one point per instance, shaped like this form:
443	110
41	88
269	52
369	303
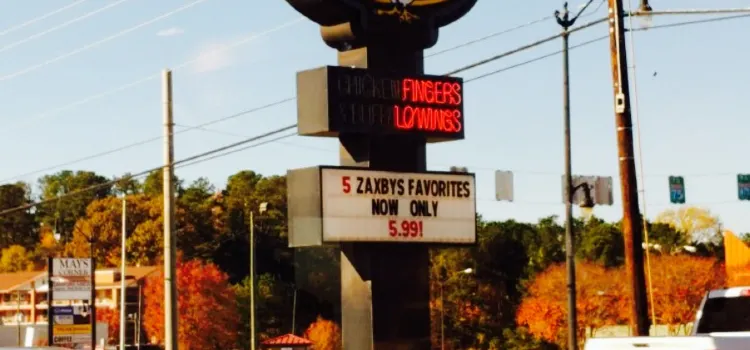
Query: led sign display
332	100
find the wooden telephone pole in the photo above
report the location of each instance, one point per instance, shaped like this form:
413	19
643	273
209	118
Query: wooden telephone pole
631	218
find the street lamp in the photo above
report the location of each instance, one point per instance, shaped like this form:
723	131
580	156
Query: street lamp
443	278
262	208
565	21
587	205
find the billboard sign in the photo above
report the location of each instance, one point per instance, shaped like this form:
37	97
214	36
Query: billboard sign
360	205
72	325
334	99
71	279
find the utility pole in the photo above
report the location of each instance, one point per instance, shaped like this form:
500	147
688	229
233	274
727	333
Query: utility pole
252	281
170	248
123	240
631	218
92	241
566	22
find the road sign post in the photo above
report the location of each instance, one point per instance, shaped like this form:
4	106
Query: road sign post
676	190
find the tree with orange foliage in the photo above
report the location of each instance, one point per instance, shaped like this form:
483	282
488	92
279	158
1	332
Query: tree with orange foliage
679	284
599	297
206	307
325	334
112	318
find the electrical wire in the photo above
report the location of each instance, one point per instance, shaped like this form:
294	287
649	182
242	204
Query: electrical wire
292	98
489	36
201	126
524	47
86	47
539	58
686	23
42	17
189	160
245	40
505	31
61	26
149	140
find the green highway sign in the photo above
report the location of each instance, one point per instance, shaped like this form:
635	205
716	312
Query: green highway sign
677	189
743	187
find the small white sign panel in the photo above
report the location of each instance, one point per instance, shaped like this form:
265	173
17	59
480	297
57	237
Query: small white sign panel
71	279
379	206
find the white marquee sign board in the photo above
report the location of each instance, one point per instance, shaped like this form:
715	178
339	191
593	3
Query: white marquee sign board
360	205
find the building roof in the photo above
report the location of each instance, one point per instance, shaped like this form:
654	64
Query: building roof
287	339
10	281
106	278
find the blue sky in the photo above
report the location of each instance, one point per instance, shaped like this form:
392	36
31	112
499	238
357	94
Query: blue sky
60	96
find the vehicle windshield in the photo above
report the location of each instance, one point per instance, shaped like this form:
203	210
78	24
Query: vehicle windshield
725	315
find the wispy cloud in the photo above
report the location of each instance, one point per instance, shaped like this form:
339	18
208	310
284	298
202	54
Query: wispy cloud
213	57
170	31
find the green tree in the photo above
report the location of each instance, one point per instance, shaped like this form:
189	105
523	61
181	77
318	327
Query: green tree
127	185
198	236
244	193
153	184
670	240
17	227
62	214
602	243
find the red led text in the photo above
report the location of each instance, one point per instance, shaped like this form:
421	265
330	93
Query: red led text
431	92
430	106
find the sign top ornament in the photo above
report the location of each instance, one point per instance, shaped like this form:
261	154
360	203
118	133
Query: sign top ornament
409	24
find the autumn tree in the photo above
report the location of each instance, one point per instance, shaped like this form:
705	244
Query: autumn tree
697	224
206	306
599	299
103	221
48	246
15	258
679	284
17	227
325	334
112	318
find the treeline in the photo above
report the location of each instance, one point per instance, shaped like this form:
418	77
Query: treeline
213	227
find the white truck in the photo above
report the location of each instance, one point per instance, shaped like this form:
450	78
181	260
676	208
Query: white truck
721	323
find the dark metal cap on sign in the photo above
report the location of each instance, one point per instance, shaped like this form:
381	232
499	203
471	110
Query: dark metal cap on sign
350	24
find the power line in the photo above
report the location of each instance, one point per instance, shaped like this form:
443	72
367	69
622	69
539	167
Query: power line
686	23
690	12
489	36
506	31
42	17
524	47
485	75
232	45
188	161
470	166
99	42
61	26
149	140
474	65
